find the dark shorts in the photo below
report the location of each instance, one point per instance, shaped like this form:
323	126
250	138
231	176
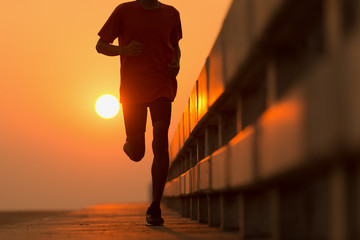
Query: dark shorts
135	114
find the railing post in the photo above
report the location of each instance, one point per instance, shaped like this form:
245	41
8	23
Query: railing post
229	209
214	210
194	205
338	220
203	208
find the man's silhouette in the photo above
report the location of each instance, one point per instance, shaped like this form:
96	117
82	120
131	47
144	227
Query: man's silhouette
148	32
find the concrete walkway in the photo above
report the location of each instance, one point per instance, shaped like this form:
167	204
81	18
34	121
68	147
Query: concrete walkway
104	222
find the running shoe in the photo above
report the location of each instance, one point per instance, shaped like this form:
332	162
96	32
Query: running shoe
153	216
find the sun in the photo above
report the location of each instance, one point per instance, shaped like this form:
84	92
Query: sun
107	106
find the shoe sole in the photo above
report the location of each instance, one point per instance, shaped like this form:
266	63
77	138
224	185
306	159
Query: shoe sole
152	224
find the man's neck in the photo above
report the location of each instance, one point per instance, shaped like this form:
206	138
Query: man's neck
149	4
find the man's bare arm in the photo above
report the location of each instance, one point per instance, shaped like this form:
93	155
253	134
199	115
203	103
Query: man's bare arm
132	49
174	66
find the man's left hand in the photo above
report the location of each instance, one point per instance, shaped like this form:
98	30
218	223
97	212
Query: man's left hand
174	67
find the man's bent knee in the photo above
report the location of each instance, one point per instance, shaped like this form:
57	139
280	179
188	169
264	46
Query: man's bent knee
137	156
136	146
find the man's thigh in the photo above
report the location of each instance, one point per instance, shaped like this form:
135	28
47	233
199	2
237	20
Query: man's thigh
135	118
160	111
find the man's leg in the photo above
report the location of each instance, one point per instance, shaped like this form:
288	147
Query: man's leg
135	122
160	114
160	164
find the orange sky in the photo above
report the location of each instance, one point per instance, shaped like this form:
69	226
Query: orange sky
55	151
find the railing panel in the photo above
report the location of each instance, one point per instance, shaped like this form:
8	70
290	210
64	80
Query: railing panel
282	135
182	131
203	92
188	183
194	174
177	187
236	38
187	121
242	158
204	170
216	71
182	184
220	169
172	188
174	146
194	107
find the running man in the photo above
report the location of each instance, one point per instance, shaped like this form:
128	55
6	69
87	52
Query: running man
148	33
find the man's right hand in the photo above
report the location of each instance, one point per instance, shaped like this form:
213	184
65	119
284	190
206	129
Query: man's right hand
133	49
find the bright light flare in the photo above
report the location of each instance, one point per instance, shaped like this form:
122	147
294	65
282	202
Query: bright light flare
107	106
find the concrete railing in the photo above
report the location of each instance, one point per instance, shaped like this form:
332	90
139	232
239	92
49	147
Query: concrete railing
269	142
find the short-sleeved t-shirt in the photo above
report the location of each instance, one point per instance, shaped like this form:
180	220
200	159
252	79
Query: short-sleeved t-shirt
145	78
